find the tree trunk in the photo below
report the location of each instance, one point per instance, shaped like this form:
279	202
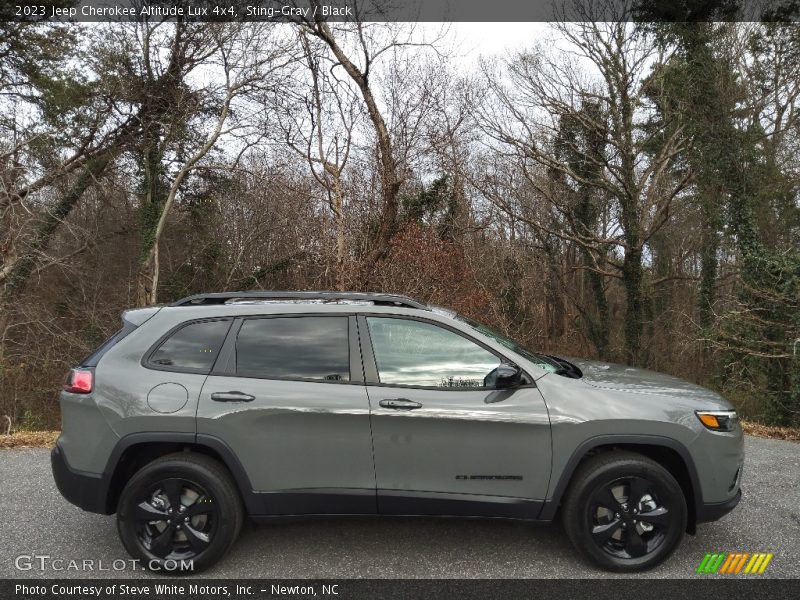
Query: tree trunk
390	185
708	259
149	269
632	279
152	204
341	234
598	323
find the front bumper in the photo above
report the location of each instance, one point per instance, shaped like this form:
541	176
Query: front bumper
89	491
717	510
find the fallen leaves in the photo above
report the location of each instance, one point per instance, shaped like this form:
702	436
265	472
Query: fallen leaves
29	439
769	431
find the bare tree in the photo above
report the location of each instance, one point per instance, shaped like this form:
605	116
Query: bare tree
356	47
246	57
634	166
321	132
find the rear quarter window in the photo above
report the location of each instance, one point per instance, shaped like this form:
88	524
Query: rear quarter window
193	347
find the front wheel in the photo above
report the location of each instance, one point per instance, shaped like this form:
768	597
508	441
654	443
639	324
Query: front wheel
179	514
624	511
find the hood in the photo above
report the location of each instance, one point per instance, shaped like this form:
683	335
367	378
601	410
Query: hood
630	379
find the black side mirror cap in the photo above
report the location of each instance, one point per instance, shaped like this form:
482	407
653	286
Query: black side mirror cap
508	376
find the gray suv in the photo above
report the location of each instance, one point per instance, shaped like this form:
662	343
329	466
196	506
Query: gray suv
272	404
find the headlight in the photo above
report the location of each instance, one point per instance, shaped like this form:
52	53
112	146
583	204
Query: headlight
718	420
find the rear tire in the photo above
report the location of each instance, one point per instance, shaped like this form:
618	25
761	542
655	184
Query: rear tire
179	514
624	511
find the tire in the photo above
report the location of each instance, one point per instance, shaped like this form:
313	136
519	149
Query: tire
179	514
610	530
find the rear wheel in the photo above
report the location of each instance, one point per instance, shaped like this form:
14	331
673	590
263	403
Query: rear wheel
180	513
624	511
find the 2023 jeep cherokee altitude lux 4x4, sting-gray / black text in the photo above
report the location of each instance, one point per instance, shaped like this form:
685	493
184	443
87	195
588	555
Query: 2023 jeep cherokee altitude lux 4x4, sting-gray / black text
268	404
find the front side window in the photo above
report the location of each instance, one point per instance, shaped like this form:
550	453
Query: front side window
313	348
194	346
416	353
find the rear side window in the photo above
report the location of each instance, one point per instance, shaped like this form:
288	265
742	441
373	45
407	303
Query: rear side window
193	347
314	348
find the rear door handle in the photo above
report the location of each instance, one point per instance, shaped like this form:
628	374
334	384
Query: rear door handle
232	397
400	404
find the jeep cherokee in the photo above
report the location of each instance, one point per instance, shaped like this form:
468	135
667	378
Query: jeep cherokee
271	404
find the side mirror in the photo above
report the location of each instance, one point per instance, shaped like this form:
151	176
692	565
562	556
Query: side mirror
508	376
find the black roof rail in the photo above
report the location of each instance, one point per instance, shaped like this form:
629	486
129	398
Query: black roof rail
223	297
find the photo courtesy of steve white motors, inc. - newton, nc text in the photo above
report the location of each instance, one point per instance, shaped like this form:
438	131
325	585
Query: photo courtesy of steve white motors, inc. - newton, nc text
399	299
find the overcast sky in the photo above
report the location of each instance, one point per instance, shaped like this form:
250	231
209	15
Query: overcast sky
496	38
475	39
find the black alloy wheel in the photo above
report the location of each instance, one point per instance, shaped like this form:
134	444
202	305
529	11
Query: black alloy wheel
176	519
627	518
180	513
624	511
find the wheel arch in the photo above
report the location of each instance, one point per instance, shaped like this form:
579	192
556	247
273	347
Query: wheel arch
134	451
669	453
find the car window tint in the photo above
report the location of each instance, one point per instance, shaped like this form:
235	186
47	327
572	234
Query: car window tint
294	348
194	346
416	353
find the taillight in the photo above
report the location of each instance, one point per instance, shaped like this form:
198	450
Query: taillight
79	381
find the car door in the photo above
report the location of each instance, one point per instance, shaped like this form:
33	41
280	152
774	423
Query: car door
287	396
445	440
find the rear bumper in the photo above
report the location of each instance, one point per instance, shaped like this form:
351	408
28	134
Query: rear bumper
715	511
89	491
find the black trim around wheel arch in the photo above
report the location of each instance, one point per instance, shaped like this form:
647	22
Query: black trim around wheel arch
175	437
550	507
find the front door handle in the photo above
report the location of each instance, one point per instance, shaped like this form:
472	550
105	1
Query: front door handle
232	397
400	404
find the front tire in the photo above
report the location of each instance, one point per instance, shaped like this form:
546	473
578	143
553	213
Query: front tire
624	511
179	514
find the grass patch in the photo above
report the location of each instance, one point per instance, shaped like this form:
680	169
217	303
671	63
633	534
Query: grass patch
29	439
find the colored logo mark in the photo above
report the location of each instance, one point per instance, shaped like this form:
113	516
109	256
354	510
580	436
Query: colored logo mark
734	563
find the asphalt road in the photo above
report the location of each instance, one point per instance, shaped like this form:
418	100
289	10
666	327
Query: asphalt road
37	521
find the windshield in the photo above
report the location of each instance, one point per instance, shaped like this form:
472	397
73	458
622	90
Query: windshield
545	362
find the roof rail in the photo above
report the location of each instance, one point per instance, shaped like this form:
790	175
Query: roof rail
223	297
